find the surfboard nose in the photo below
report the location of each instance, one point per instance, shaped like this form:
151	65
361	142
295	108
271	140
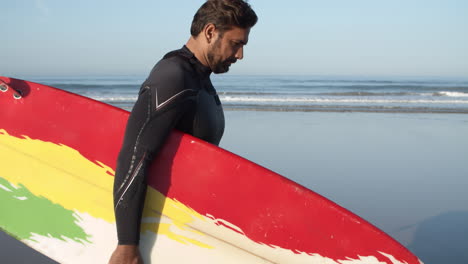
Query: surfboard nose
4	87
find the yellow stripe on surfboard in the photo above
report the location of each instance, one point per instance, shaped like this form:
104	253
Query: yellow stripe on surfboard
62	175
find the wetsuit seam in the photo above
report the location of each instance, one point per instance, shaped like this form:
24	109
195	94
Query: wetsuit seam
172	98
148	118
132	178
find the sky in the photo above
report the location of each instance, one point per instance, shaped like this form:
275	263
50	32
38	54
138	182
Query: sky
425	38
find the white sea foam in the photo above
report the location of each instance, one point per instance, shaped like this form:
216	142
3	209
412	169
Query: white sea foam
330	100
254	92
116	98
452	94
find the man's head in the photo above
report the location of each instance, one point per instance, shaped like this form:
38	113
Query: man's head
222	28
224	14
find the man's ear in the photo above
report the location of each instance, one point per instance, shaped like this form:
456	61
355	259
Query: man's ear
209	32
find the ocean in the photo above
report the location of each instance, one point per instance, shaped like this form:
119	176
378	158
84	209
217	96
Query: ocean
394	151
296	93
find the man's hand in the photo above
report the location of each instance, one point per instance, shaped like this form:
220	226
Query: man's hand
126	254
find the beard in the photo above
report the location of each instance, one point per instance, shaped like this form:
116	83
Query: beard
217	64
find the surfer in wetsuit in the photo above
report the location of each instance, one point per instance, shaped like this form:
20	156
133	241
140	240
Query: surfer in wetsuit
177	94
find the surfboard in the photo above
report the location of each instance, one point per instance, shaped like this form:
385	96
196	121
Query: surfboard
204	204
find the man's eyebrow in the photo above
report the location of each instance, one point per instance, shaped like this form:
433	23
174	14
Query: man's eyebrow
240	41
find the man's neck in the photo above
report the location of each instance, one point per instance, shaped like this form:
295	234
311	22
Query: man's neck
195	47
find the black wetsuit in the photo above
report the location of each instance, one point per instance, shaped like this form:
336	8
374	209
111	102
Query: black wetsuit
177	94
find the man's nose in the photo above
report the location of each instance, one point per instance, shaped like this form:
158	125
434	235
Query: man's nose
240	53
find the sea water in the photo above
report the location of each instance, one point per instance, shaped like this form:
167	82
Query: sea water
296	93
394	151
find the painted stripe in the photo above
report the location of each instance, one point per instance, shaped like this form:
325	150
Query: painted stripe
53	182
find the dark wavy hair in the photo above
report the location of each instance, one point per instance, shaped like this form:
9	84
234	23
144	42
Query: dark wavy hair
224	14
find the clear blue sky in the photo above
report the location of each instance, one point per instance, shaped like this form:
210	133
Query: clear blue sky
360	37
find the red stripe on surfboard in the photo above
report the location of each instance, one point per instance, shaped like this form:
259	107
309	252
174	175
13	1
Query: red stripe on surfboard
246	195
57	111
257	204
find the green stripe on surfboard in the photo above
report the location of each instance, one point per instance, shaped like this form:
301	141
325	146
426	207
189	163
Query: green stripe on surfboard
24	214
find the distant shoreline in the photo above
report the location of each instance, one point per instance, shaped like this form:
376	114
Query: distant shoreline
295	93
344	109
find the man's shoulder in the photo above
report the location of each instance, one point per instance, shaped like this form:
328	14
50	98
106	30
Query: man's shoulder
170	75
174	63
171	67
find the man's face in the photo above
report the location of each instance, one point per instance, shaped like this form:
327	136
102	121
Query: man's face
227	49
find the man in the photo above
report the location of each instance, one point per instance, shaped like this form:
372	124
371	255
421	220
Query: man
177	94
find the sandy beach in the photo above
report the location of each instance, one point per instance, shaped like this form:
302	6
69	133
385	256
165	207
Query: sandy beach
405	173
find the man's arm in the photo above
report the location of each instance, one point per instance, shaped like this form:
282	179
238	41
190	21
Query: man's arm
163	100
